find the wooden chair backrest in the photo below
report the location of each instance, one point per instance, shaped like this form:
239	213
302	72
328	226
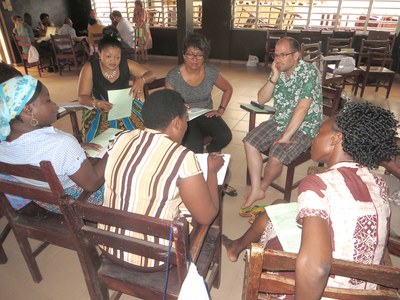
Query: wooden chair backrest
88	238
374	52
44	173
260	279
311	52
61	40
331	100
20	42
32	221
334	45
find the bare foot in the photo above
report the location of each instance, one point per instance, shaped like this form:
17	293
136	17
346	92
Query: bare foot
253	196
229	246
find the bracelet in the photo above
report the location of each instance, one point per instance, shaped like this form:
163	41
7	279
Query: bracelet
221	107
94	103
273	82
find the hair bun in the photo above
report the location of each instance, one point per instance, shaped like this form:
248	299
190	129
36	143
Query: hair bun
111	32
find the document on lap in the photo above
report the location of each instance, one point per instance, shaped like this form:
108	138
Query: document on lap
202	159
122	104
103	139
283	218
193	113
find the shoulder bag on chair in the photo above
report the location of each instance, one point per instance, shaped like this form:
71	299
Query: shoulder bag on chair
33	55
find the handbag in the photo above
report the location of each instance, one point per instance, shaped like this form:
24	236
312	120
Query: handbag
33	55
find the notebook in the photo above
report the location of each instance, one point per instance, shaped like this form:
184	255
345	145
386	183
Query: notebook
50	30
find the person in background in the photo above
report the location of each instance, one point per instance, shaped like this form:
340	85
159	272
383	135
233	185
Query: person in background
194	80
28	137
93	16
21	30
80	43
94	29
125	28
28	22
43	24
142	30
296	89
110	72
344	211
169	182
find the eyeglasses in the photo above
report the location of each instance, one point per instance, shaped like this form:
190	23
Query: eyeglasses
281	55
192	55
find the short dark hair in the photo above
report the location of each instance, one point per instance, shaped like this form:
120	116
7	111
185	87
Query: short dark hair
161	107
43	16
198	41
368	133
116	13
92	21
7	72
293	43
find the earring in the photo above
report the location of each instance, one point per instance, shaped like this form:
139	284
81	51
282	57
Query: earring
34	122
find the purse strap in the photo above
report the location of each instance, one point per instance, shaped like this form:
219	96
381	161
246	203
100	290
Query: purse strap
167	263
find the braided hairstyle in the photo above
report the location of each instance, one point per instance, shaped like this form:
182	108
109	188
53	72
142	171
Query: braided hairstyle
369	133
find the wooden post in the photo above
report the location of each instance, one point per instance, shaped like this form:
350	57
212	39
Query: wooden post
184	23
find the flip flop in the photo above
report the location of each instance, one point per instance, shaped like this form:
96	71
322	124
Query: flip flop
252	219
245	212
257	209
250	211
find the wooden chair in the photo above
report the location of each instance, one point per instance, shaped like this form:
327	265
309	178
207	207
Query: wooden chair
335	46
259	281
374	62
310	36
273	36
23	42
331	101
311	53
33	221
3	234
66	53
103	273
157	84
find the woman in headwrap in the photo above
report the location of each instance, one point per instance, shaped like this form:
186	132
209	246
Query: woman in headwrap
27	137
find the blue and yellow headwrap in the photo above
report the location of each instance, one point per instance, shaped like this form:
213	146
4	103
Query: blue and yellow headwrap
14	94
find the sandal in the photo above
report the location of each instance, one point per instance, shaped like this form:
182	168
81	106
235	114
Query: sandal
245	212
251	211
230	191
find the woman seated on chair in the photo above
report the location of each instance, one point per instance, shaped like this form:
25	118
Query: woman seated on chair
194	80
27	137
150	173
110	72
344	212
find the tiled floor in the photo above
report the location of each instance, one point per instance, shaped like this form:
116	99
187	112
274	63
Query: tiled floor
62	276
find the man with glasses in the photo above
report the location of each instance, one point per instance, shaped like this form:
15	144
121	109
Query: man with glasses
296	89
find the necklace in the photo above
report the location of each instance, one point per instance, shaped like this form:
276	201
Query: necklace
110	75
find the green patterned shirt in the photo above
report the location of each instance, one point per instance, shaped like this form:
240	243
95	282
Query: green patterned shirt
304	82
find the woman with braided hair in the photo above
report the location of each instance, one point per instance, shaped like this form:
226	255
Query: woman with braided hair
344	212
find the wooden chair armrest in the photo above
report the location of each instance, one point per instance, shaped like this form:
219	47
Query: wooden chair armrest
198	241
254	111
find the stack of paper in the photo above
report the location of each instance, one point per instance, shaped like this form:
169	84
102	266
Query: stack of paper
193	113
103	140
203	157
283	218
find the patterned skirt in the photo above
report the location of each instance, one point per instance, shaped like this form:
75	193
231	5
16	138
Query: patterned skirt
95	121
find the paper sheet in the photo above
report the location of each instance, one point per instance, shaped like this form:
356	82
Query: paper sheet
193	113
202	158
102	139
283	218
122	104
